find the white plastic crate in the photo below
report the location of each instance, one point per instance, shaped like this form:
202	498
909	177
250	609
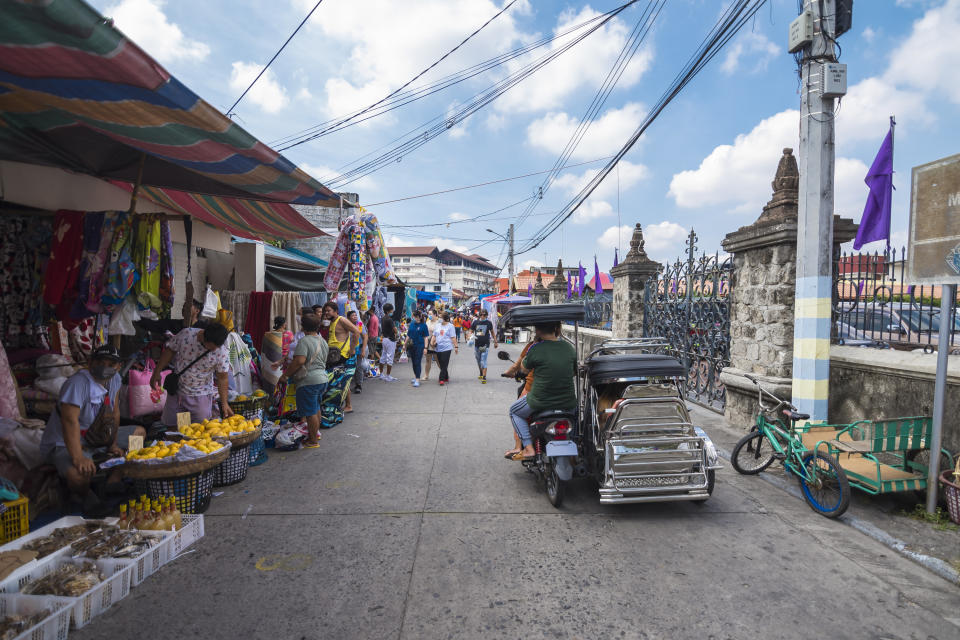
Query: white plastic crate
98	599
190	532
16	576
53	627
147	563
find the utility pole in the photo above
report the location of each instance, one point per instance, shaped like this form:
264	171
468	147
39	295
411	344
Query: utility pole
814	283
510	281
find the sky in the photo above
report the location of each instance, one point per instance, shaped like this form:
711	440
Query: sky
705	164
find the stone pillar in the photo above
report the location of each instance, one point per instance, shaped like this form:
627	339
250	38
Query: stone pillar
762	297
541	295
629	279
557	290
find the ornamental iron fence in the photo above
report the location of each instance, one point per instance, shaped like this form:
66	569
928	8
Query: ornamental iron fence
687	303
874	305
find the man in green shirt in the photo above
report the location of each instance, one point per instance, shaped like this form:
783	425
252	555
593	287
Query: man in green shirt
554	362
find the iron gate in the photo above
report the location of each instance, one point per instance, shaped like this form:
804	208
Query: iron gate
688	304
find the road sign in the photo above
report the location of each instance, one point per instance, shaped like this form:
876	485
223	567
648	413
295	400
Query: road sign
934	251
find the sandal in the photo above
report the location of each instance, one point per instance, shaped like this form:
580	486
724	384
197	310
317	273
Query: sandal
307	445
519	457
509	454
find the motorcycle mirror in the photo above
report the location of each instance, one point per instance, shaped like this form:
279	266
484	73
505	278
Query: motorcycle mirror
503	355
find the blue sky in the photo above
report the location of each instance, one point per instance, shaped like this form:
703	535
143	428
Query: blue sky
706	163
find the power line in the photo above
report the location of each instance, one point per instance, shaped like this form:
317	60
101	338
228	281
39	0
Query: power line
264	70
484	184
729	24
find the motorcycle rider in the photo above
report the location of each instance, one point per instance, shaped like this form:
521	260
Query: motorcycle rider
555	364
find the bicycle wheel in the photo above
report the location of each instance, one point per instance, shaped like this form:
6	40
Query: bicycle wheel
752	454
827	491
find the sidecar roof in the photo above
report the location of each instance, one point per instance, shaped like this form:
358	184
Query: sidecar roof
543	314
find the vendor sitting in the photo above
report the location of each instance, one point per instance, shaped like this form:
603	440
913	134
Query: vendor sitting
85	421
199	356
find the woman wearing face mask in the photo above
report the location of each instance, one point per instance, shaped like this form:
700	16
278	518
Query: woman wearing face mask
86	421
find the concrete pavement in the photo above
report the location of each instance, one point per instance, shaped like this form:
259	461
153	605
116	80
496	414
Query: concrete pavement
407	523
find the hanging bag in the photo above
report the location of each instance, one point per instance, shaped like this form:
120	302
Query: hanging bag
300	374
172	383
142	400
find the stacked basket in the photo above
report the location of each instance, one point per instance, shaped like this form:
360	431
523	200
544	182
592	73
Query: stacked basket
189	482
951	489
234	468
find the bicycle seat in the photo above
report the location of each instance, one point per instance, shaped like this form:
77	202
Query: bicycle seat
793	415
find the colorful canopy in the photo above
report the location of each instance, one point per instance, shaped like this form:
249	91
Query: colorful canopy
245	218
76	93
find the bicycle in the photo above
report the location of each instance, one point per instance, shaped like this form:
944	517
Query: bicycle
823	482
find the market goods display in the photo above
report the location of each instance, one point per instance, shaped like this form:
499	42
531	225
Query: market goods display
160	514
61	538
235	425
67	580
112	542
15	624
10	561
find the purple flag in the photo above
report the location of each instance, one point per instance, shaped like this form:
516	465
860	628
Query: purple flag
615	261
530	289
583	276
569	287
875	223
596	276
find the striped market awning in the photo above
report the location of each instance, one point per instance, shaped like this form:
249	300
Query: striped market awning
76	93
251	219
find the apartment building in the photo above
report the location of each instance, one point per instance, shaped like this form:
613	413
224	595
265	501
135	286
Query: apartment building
441	271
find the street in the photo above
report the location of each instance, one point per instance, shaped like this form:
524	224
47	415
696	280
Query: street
408	523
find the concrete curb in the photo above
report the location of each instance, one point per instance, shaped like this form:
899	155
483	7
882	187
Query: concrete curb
934	565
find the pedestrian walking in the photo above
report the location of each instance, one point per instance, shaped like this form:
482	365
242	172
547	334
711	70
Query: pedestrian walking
417	337
432	323
445	341
458	326
483	332
388	343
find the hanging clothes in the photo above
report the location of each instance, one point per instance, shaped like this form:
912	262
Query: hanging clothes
24	252
240	360
121	273
339	259
313	298
166	269
258	320
66	252
97	268
9	407
237	303
358	260
147	245
288	305
92	228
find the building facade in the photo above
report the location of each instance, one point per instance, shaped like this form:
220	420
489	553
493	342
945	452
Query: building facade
441	271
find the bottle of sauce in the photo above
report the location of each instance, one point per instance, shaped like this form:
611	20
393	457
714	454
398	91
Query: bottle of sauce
122	522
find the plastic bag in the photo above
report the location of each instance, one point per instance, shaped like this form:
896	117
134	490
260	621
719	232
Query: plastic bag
142	399
53	365
121	322
289	438
211	304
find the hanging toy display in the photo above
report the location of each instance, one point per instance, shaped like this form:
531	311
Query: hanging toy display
358	266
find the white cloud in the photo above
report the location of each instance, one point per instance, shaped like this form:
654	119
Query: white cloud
869	34
455	129
864	113
850	192
616	238
663	239
630	174
751	45
458	216
738	174
604	137
927	59
267	93
397	241
591	210
144	22
576	69
443	243
496	122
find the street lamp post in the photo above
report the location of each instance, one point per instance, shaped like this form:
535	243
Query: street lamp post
509	240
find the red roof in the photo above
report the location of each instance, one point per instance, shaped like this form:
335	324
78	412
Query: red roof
502	284
605	280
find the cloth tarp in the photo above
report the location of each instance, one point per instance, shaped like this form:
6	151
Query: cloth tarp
289	279
78	94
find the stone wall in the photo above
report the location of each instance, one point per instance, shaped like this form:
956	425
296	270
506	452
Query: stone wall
761	321
588	338
870	383
326	218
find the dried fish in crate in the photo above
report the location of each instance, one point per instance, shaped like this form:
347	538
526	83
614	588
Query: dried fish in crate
15	624
61	538
68	580
111	542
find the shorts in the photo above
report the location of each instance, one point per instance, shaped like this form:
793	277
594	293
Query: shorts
60	457
200	408
308	399
481	354
389	347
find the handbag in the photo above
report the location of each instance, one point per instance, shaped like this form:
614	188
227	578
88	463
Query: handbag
301	373
103	430
172	383
143	400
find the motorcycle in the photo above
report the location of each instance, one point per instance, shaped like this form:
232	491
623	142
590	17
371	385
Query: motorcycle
555	449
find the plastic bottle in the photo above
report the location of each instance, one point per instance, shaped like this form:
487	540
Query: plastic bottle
122	522
177	516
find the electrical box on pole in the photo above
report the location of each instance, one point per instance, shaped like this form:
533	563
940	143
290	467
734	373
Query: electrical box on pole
833	80
801	32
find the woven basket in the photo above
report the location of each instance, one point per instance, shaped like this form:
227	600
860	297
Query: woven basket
951	489
244	439
252	408
175	468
